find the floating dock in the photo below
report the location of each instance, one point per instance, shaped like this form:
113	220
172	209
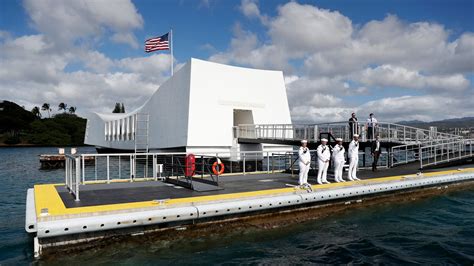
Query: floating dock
119	207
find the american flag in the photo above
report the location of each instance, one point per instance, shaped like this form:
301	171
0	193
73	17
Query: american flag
157	43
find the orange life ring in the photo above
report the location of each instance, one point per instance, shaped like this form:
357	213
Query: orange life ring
221	168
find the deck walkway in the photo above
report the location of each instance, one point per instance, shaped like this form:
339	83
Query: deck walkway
126	192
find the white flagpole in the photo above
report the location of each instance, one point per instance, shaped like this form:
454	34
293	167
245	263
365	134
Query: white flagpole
171	50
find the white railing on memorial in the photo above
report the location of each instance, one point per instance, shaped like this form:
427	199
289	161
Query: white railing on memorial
387	132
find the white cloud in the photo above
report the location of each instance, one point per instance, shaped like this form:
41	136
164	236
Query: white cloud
425	108
65	21
63	66
250	9
392	76
38	75
306	28
325	57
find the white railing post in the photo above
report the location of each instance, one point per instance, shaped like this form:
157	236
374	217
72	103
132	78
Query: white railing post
108	169
316	133
421	157
66	165
155	176
268	162
243	163
83	170
78	176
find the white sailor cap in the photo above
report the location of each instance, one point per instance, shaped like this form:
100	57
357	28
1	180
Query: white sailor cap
356	135
338	139
323	139
304	141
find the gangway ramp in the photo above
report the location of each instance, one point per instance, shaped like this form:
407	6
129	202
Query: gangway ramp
405	144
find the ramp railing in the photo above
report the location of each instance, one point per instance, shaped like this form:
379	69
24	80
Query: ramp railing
408	153
440	153
387	132
73	175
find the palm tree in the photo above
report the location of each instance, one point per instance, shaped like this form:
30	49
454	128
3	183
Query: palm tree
62	106
72	110
46	107
36	111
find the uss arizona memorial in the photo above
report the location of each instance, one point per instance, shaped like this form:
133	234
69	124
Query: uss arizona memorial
208	107
195	111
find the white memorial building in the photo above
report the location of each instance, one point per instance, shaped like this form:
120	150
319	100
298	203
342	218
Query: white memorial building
195	111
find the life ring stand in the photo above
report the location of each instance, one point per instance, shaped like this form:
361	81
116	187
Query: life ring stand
221	168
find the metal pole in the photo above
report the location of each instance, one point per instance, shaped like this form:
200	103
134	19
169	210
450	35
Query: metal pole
244	163
155	177
66	165
421	157
78	174
171	51
218	165
273	163
83	170
108	169
268	163
202	166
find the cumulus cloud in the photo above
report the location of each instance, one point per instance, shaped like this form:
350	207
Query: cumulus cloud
424	108
325	57
250	9
66	21
393	76
63	64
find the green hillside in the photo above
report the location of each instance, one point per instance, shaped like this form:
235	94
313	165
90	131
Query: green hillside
21	127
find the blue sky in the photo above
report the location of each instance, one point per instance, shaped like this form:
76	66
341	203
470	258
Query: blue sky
197	23
207	29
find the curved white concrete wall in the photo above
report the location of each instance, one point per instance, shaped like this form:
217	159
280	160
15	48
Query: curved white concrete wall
195	108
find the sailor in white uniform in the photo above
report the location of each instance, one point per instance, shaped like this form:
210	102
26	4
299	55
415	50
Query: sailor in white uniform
338	158
353	154
304	158
324	155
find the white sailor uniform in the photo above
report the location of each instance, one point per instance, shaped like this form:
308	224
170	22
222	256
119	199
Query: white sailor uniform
353	154
324	155
338	158
304	158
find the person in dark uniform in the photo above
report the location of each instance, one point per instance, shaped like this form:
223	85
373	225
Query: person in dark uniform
375	151
353	126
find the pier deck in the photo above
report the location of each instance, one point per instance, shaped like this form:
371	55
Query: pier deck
141	194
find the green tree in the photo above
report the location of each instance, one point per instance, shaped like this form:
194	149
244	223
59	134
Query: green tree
123	108
46	107
72	110
62	106
36	112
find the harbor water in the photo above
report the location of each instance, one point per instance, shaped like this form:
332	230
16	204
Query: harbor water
435	230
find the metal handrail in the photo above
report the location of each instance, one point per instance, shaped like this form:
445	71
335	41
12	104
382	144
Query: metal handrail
388	131
130	166
446	152
413	148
